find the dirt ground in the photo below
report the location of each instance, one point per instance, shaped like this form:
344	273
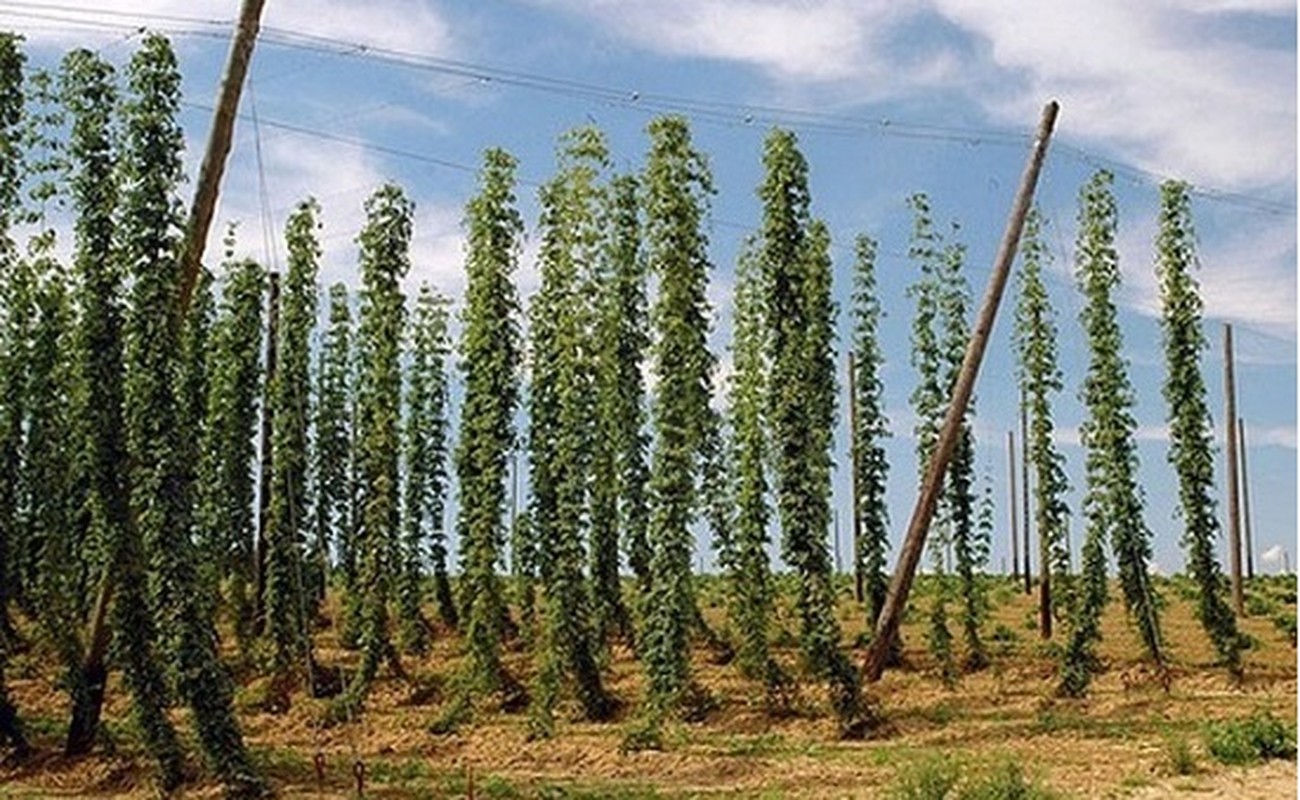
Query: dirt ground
1265	782
1116	743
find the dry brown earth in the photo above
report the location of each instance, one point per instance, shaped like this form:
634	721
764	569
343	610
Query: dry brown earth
1114	744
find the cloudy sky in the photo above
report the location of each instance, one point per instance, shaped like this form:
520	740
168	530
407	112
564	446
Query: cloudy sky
888	98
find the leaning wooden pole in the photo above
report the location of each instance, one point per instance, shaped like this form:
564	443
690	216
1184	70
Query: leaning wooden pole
214	158
1245	501
1234	509
859	580
914	543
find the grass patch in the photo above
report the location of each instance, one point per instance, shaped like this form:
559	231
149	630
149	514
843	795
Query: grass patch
1260	606
1053	720
939	714
1004	592
459	784
497	787
1184	588
1005	781
1250	740
765	744
944	778
1136	780
458	712
1004	635
598	793
932	778
282	762
1178	756
1284	622
400	773
643	734
36	727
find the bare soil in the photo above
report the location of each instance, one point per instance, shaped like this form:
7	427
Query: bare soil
1116	743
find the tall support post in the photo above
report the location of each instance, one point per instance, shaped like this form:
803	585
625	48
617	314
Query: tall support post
914	543
1015	515
1245	501
1234	509
214	158
1025	515
859	580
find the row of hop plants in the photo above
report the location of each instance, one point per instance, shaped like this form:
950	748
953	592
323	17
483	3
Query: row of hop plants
127	438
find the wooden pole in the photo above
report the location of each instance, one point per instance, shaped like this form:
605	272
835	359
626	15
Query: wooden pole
266	455
1024	490
1015	515
214	158
914	543
1245	500
859	580
1234	510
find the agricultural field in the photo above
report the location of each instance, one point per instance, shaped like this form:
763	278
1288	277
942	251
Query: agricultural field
997	728
555	508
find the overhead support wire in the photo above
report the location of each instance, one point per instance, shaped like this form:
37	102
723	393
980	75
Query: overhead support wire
704	110
356	142
270	251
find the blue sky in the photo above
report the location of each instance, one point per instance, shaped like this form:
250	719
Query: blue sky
888	98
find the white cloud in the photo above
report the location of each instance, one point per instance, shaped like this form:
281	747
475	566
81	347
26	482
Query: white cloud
395	24
1071	436
1142	81
819	40
1161	85
1272	436
337	175
724	379
1272	555
1246	274
438	254
1249	278
1067	436
1272	7
340	177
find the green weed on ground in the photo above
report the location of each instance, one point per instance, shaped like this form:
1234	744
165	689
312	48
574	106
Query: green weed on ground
1256	738
946	778
1179	758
